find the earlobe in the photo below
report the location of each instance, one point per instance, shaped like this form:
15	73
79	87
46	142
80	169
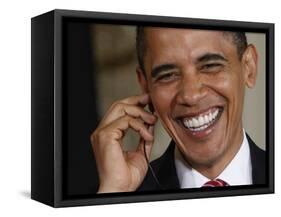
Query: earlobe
142	80
250	60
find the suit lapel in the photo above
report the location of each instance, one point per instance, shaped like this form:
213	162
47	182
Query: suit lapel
168	176
164	170
258	163
167	172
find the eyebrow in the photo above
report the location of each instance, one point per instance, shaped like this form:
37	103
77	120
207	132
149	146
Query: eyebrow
204	58
211	56
158	69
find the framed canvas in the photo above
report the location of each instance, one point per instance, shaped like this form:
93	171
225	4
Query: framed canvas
134	108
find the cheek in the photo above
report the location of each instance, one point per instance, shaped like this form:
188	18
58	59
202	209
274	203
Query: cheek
233	90
162	99
227	84
230	86
221	82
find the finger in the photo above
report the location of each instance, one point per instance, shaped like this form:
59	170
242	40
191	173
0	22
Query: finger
123	123
117	109
145	147
131	110
141	100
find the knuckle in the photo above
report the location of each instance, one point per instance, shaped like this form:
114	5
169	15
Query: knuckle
114	105
93	137
126	100
136	123
118	105
102	135
94	141
139	111
97	136
109	135
128	119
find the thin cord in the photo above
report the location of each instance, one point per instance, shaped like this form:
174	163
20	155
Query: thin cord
150	168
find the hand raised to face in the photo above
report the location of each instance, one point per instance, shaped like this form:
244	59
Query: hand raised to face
121	171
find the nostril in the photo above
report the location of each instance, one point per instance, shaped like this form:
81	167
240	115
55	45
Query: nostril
191	93
189	98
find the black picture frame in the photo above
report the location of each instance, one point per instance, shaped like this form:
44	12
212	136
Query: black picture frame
49	101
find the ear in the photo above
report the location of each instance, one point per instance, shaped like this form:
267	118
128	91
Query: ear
250	61
142	80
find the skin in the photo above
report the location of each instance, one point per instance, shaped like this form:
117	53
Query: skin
121	171
194	84
186	72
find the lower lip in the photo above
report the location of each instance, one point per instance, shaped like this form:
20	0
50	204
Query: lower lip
207	131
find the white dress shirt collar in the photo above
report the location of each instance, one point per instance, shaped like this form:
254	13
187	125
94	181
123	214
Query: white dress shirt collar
238	171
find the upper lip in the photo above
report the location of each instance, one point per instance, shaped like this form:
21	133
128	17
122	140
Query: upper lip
195	113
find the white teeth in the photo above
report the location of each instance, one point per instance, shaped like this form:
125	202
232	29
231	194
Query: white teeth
206	118
190	122
200	122
210	117
195	122
216	113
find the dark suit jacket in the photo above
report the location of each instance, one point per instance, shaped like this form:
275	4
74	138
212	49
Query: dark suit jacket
165	170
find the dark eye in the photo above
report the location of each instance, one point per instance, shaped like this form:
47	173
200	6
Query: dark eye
166	77
212	67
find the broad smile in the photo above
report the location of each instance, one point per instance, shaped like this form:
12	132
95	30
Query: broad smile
200	124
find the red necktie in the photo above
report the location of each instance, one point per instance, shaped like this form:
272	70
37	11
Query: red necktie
215	183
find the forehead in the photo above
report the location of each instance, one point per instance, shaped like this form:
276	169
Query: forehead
175	42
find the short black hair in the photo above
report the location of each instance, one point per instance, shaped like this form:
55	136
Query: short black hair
239	39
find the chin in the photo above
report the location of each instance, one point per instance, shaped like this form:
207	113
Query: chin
203	157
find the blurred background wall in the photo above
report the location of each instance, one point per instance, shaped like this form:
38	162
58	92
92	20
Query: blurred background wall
255	103
115	65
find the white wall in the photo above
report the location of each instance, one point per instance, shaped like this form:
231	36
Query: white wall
15	106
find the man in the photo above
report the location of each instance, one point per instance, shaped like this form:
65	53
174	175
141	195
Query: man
194	82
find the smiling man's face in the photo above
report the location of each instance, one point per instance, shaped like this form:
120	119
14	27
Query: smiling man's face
196	82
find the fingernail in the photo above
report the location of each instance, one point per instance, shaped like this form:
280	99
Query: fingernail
151	129
153	119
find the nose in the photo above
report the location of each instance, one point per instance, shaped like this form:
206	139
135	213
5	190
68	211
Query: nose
191	89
